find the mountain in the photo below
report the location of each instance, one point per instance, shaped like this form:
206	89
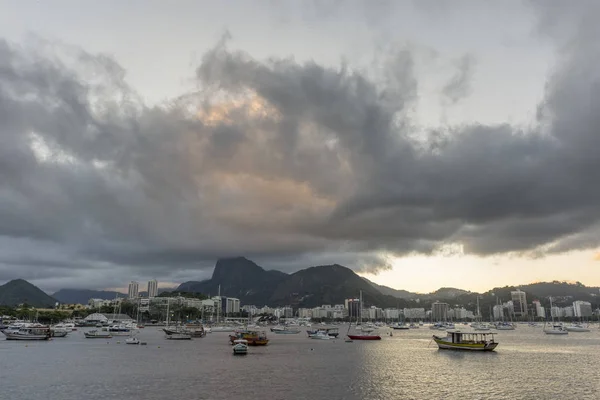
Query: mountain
82	296
240	278
20	291
560	289
447	293
328	284
399	293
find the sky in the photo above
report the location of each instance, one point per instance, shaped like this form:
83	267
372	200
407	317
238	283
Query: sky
421	143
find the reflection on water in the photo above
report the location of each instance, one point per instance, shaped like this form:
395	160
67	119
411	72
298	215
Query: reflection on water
526	365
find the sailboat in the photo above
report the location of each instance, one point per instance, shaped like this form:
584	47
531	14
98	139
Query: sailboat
554	329
367	336
478	325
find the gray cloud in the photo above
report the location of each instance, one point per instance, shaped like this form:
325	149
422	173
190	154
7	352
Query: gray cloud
459	86
290	164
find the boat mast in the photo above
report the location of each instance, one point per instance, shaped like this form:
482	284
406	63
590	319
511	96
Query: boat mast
220	304
360	309
168	313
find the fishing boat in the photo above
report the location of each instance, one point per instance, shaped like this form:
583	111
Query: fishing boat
240	347
254	338
457	340
179	336
98	334
28	333
196	331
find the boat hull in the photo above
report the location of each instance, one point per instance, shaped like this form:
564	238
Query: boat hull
364	337
16	336
549	332
444	345
576	329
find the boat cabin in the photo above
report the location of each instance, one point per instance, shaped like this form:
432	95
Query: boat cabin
470	337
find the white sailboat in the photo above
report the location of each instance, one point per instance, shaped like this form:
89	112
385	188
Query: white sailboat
554	329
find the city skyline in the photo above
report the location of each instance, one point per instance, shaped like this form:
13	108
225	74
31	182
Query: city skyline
403	140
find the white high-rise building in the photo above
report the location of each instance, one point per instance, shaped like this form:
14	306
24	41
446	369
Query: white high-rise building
152	288
519	300
539	310
582	309
133	289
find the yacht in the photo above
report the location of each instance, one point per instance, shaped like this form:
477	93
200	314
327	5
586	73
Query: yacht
576	328
321	335
555	329
39	332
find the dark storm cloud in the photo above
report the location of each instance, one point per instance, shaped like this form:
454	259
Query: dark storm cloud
290	164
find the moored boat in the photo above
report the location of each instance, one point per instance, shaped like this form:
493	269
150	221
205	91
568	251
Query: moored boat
58	332
505	326
240	347
321	335
286	331
457	340
556	329
98	334
364	337
576	328
28	333
254	338
333	332
179	336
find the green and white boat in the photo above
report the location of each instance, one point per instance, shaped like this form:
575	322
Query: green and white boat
472	341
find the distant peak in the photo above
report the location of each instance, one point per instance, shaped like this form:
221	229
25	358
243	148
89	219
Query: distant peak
234	265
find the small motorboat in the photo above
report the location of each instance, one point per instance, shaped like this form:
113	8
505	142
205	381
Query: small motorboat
98	334
321	335
240	347
132	340
58	332
179	336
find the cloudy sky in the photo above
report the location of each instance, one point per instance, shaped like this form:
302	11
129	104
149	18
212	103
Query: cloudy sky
425	144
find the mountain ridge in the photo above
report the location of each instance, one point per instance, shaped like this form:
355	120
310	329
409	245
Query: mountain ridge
19	291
